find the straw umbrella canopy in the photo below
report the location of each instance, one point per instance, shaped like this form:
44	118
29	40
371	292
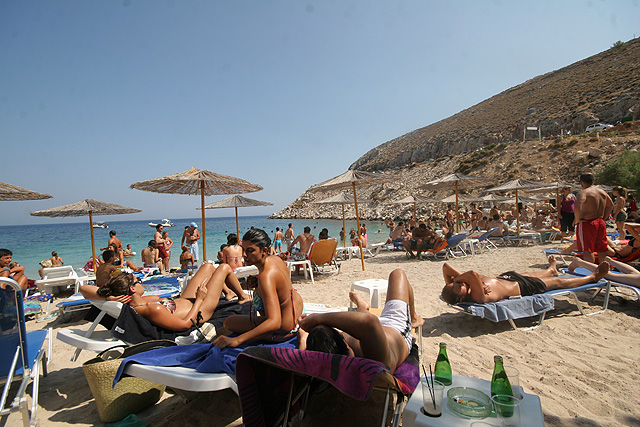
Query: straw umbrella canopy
414	200
236	202
194	182
518	184
342	199
351	179
87	207
10	192
457	180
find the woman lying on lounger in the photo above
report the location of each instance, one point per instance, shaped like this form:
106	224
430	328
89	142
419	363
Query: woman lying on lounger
629	276
278	304
198	301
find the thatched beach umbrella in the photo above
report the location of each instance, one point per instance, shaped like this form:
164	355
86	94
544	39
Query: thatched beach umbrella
342	199
236	202
196	181
414	200
10	192
457	180
88	207
518	184
350	179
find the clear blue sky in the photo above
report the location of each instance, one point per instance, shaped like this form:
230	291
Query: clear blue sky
96	95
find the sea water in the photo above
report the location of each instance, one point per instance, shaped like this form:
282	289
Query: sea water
31	244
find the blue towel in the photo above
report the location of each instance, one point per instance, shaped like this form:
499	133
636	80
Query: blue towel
512	308
201	357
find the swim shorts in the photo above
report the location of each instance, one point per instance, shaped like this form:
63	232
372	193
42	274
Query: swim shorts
592	235
397	315
425	245
528	285
277	242
163	252
193	248
621	217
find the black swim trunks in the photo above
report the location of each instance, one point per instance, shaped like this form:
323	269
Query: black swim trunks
528	285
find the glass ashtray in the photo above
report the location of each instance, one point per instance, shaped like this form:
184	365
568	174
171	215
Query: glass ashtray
469	402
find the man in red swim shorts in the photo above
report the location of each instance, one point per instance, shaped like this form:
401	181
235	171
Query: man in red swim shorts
592	207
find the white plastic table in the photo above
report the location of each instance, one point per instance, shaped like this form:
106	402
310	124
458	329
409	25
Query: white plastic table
373	287
530	408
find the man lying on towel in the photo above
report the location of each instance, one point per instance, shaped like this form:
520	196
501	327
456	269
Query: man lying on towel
474	287
387	339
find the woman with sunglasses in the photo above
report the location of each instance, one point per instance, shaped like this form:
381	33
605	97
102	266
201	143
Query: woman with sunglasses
198	301
276	306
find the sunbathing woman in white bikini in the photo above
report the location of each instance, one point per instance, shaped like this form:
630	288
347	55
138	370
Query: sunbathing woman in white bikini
198	301
274	299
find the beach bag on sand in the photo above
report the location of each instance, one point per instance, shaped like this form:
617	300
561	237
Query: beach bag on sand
131	394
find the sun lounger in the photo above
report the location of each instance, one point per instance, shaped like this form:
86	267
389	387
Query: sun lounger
529	306
21	354
56	277
271	381
581	271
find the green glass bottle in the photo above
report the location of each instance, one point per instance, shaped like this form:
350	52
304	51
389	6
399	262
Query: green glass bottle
499	381
443	367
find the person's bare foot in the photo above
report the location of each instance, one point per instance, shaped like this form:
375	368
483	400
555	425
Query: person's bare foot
244	298
574	264
553	267
229	296
602	270
360	303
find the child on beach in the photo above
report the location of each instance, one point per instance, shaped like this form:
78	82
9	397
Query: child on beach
274	298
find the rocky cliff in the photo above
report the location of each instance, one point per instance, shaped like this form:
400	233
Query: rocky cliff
486	139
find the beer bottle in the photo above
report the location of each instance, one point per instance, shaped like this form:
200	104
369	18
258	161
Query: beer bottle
443	367
499	381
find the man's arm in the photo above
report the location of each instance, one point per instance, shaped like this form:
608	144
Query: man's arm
472	279
608	207
580	198
184	235
365	327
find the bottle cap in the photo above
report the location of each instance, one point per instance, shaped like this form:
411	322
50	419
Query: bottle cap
443	344
497	358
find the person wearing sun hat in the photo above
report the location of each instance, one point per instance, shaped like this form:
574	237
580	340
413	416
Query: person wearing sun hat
190	238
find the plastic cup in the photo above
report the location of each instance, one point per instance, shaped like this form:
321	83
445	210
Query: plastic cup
507	409
514	379
432	406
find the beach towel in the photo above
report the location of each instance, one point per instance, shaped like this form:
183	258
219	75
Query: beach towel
511	308
201	357
264	378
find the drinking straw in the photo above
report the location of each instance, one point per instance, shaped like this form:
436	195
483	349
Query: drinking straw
433	390
430	385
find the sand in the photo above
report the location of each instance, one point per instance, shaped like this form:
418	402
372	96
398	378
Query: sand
585	369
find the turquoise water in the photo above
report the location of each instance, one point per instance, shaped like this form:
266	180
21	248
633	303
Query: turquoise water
31	244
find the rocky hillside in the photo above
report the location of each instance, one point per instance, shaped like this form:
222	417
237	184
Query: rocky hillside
602	88
486	139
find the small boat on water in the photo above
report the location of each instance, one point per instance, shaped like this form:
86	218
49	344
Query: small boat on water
165	223
100	224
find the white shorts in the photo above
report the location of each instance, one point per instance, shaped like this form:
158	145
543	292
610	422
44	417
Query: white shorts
397	315
193	248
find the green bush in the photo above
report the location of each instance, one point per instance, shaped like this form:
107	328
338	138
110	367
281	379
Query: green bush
624	171
618	44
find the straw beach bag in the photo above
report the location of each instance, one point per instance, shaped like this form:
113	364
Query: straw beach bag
131	394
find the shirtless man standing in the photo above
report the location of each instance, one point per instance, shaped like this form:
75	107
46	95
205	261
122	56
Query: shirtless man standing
190	238
397	234
387	339
475	287
592	207
113	239
277	240
289	237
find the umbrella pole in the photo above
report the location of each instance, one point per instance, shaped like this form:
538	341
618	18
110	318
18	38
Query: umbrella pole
237	225
457	214
355	200
344	230
415	217
517	213
204	228
93	246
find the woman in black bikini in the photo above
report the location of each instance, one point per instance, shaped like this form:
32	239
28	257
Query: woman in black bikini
198	301
274	299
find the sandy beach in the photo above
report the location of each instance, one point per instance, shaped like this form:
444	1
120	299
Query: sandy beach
585	369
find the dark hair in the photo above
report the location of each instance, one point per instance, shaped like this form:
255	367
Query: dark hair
108	254
621	191
5	252
328	340
117	285
222	246
258	237
307	229
158	226
496	217
232	239
324	234
448	295
54	253
277	229
152	244
587	178
290	225
112	233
